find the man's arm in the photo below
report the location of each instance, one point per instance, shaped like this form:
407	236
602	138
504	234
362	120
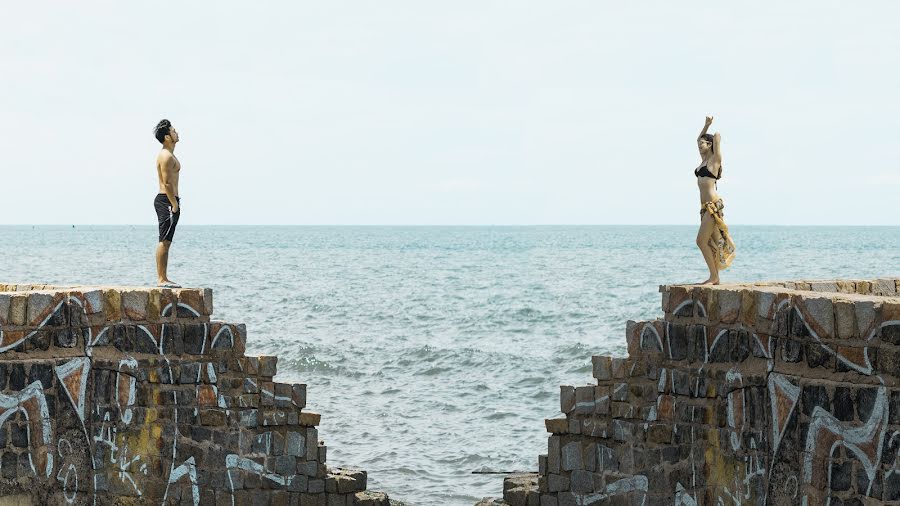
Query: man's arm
167	174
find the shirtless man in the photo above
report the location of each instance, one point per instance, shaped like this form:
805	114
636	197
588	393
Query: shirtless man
167	201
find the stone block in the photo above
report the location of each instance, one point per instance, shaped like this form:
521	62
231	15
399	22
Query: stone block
659	433
557	483
298	395
249	418
40	305
581	482
819	315
312	444
282	395
884	287
367	498
135	304
268	366
309	419
824	286
868	318
207	302
633	338
267	393
584	400
602	367
890	311
619	368
845	319
765	305
190	373
566	398
622	430
601	400
194	338
112	305
729	305
557	425
553	454
749	304
620	392
5	301
571	456
93	301
190	303
676	335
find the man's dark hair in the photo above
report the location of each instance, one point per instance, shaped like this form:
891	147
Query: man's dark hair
162	130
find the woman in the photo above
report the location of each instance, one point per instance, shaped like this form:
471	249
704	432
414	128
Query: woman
713	239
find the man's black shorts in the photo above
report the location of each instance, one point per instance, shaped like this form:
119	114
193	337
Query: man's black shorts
166	218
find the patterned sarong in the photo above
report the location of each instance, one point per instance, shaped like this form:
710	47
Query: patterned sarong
720	240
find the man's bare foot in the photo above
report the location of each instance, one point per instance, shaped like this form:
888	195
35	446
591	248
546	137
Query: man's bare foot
168	284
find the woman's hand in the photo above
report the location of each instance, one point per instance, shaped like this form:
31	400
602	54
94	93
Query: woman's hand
709	120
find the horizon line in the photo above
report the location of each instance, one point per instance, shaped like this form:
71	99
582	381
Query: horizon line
422	225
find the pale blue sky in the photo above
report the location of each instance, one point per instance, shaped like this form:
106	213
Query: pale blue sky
462	112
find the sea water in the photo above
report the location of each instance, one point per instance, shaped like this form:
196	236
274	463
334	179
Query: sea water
435	353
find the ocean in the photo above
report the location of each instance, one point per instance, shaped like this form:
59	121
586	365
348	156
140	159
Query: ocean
435	353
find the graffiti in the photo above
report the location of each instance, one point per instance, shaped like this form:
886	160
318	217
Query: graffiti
73	376
865	442
68	474
33	405
637	483
125	450
748	396
234	462
119	455
189	469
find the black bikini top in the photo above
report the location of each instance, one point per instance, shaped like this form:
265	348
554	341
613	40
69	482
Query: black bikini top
704	172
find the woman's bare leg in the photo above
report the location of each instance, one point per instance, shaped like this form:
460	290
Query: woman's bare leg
707	228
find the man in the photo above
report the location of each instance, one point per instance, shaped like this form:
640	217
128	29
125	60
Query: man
166	203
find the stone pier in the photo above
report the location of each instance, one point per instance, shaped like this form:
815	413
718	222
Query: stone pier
135	396
781	393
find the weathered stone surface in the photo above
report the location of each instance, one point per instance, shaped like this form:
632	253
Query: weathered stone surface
776	393
114	391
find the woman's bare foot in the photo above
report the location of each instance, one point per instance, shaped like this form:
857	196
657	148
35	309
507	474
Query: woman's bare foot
166	283
711	281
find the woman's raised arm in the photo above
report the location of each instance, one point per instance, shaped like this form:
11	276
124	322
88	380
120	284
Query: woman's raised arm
717	149
705	127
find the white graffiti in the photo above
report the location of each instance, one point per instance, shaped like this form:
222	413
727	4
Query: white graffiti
119	455
865	442
236	462
31	396
224	330
125	405
682	498
80	368
188	468
649	332
71	473
637	483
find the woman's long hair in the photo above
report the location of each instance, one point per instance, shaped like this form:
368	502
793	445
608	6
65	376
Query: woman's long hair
712	147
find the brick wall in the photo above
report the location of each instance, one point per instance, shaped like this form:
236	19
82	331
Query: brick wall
135	396
779	393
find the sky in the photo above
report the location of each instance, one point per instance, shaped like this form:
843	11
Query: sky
470	112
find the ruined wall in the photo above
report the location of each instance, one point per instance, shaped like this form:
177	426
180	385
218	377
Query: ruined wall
134	396
773	393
